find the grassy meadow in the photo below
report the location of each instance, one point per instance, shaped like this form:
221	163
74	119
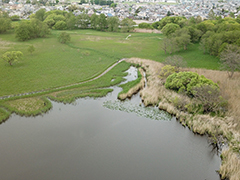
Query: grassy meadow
88	54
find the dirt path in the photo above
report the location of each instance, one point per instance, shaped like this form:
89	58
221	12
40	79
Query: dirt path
58	88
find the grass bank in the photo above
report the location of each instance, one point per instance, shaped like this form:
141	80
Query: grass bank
221	128
31	105
132	87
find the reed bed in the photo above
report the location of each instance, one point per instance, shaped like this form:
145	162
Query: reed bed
227	127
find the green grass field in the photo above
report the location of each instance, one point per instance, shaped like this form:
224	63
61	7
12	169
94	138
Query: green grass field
87	55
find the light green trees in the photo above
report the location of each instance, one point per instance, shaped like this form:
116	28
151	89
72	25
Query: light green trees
5	22
230	59
113	23
12	56
127	25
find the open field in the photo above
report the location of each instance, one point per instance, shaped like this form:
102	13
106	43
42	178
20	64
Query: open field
87	55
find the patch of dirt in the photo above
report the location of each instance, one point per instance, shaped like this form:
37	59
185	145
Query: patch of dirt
147	31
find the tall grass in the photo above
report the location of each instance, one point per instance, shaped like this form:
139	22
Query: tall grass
216	127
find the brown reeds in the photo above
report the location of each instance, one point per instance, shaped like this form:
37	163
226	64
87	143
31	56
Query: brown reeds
227	127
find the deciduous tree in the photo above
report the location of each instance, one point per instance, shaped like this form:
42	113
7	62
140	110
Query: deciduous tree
230	59
12	56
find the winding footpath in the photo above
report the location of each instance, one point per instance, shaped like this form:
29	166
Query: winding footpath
59	88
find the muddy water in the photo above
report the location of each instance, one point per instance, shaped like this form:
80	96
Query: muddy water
87	141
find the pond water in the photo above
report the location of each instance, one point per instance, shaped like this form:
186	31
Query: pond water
88	141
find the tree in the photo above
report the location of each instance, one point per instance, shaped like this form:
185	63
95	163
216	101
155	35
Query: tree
230	59
5	22
23	31
211	15
170	28
82	21
12	56
60	25
31	29
102	22
31	49
210	99
94	21
64	37
113	23
40	14
186	82
127	25
182	38
176	61
15	18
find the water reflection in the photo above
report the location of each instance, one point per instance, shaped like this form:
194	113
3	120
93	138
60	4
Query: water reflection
88	141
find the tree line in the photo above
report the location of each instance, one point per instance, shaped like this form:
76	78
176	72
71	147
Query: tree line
42	22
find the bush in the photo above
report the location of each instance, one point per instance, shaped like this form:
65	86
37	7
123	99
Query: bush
145	26
210	99
64	37
60	25
186	82
167	71
15	18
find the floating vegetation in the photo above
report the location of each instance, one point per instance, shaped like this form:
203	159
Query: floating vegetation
147	112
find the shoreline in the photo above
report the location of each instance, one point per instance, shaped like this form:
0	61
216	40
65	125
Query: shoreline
220	129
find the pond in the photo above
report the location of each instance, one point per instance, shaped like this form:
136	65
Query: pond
89	141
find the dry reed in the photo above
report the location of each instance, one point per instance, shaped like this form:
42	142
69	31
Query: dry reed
228	126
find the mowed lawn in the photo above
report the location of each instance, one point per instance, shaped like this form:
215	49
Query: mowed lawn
88	54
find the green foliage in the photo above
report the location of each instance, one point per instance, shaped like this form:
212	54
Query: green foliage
31	49
181	37
145	26
230	59
54	17
167	70
5	23
64	37
171	19
60	25
12	56
94	21
15	18
185	82
127	25
82	21
40	14
102	22
170	28
66	60
31	29
156	25
113	23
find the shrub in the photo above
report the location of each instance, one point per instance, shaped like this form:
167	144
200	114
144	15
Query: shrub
60	25
186	82
210	99
167	71
145	26
64	37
